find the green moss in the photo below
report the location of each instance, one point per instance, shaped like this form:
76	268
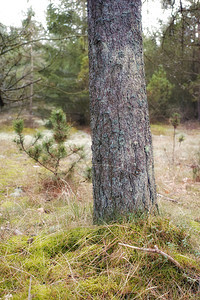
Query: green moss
37	264
6	128
45	292
195	225
60	242
39	292
27	131
159	129
187	261
15	244
49	245
165	233
98	286
88	263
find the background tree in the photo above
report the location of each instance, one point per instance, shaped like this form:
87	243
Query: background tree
159	91
123	173
16	51
33	60
66	80
181	47
60	61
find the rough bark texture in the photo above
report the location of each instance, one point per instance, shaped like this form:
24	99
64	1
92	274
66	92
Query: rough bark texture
123	172
198	100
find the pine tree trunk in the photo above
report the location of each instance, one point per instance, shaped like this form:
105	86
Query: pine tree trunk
123	172
198	100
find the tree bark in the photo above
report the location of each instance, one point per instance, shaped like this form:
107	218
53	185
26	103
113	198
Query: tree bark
198	100
123	171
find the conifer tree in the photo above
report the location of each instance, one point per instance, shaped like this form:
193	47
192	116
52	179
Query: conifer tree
48	152
123	172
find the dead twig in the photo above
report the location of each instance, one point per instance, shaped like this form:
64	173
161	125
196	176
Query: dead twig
155	250
194	277
29	290
167	198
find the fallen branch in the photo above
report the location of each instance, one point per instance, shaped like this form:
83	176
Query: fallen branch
29	290
167	198
155	250
195	277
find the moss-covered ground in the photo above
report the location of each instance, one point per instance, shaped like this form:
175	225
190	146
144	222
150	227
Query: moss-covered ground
49	248
88	263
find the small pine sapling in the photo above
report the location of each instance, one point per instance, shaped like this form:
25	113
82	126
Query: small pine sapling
175	121
181	139
48	152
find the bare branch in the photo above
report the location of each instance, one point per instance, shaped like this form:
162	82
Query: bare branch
19	79
18	45
155	250
22	86
167	198
195	277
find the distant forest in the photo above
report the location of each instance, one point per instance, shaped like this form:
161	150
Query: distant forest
42	68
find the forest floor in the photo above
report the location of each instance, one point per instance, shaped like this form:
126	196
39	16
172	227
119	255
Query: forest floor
49	248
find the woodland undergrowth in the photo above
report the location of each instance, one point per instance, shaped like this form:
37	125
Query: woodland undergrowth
49	248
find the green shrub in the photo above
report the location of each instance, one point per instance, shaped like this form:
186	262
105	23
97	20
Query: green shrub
50	151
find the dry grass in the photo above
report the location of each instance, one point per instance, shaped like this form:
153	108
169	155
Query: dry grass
179	194
43	204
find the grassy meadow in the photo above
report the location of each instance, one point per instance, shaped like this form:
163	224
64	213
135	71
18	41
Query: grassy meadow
49	248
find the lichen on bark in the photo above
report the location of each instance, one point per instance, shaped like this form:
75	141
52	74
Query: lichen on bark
123	171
